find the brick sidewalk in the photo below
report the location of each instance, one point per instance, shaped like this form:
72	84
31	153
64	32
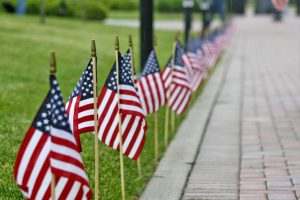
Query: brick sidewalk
271	113
251	147
241	139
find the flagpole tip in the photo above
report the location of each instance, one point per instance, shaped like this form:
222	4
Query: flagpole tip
130	41
117	45
93	48
52	63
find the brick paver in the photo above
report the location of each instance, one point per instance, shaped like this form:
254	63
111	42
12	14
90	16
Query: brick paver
251	147
270	160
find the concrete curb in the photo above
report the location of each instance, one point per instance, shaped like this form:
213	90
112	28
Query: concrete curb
173	170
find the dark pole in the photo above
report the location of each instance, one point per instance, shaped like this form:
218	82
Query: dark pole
188	6
206	18
146	32
298	7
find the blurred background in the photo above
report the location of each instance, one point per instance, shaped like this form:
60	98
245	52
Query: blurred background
31	29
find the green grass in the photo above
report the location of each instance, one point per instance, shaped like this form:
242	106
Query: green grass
157	15
24	64
24	51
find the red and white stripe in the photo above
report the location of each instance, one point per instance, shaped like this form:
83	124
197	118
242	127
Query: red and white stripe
211	51
41	155
83	117
180	91
32	168
151	92
196	70
166	75
132	117
179	98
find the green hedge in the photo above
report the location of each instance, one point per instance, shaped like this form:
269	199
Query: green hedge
123	4
91	9
169	5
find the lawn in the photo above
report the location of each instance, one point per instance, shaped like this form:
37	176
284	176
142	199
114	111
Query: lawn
24	63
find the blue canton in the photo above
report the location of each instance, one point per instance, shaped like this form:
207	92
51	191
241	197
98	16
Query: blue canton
125	73
59	116
84	86
178	54
42	120
151	65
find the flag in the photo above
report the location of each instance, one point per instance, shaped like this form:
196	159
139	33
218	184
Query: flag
150	86
80	105
212	47
195	63
167	76
49	147
279	4
180	91
131	113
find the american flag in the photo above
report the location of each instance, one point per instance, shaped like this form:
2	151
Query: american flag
80	105
196	64
132	115
49	147
150	86
212	48
167	76
180	90
279	4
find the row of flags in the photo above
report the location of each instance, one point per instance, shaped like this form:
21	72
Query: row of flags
50	152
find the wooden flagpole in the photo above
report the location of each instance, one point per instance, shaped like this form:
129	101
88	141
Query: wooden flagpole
167	107
133	80
156	136
173	65
117	47
166	124
52	72
94	61
155	120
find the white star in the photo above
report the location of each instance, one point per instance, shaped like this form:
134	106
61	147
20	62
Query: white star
47	128
48	105
60	117
44	114
46	121
39	124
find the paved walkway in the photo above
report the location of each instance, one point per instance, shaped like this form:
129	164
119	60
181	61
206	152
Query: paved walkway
246	141
163	25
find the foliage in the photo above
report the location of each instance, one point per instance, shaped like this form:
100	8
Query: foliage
123	4
91	9
95	11
24	83
169	5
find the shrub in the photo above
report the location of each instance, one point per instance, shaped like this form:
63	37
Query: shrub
123	4
92	9
95	11
169	5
